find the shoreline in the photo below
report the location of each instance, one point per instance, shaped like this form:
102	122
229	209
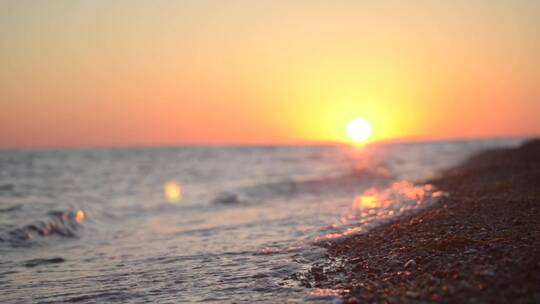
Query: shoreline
481	244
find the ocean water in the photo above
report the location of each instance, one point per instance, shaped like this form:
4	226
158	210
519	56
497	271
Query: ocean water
194	224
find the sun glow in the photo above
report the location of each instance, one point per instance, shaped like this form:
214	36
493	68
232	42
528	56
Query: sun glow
358	130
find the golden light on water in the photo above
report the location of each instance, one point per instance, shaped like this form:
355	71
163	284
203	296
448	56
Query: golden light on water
79	216
329	292
365	201
376	205
173	192
358	130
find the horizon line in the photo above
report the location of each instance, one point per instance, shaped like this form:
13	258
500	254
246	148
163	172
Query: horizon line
405	140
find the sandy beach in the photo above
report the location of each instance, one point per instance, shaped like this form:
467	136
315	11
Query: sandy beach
481	244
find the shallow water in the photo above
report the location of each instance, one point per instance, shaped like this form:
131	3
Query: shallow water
198	224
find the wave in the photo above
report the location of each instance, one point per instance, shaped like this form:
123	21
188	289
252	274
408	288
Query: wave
38	262
10	208
6	187
58	223
289	188
227	198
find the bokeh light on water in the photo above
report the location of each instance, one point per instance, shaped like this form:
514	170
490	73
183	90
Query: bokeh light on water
79	216
173	192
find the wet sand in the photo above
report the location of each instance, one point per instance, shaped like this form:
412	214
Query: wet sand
481	244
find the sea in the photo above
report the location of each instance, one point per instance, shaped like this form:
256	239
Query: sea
200	224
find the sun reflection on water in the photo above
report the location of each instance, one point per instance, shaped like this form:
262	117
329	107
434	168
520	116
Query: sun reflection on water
376	206
329	292
365	201
173	192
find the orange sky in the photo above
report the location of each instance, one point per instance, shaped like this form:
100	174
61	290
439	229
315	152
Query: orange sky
117	73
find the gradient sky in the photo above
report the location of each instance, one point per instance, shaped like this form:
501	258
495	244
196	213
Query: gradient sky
117	73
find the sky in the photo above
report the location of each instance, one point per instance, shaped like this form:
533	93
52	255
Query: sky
164	73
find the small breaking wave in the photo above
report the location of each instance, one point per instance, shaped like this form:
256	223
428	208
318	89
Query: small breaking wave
6	187
227	198
10	208
290	188
39	262
317	187
58	223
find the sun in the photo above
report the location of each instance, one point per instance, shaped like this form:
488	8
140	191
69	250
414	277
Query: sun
358	130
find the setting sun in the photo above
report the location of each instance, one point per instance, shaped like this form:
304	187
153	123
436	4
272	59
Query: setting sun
358	130
224	138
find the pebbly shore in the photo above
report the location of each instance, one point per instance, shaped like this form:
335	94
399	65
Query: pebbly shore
479	245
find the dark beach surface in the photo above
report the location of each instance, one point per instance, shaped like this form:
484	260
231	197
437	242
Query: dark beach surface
480	244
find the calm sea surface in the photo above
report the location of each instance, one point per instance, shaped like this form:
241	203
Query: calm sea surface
226	224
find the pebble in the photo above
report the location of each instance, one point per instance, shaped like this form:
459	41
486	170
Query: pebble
487	273
410	263
412	294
